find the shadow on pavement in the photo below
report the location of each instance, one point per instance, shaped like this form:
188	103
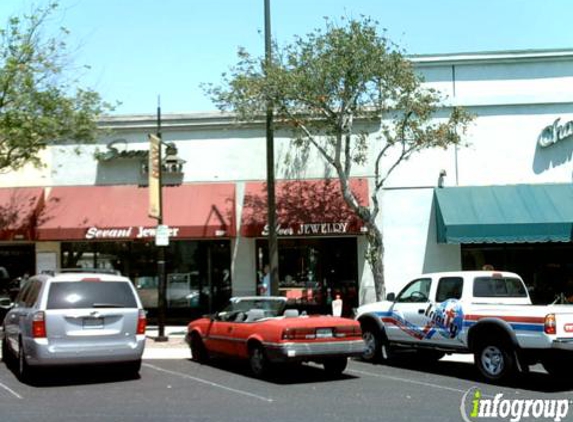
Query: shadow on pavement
280	374
77	375
531	381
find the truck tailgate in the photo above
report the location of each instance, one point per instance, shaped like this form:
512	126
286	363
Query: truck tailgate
564	325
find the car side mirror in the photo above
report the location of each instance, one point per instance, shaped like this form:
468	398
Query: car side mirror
391	297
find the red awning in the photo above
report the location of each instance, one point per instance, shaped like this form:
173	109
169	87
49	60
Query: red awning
19	208
120	212
304	208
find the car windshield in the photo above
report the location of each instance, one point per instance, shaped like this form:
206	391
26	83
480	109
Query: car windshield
498	287
272	307
87	294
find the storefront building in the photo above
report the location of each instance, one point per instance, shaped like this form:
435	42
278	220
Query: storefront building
505	199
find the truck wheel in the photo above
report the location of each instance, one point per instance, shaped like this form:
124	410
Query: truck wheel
495	360
372	342
377	348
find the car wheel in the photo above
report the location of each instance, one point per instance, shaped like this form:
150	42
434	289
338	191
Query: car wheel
198	351
24	371
258	361
335	366
495	360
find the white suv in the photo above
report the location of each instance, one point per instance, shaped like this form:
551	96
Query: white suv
75	318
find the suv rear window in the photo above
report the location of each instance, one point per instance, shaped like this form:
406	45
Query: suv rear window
498	287
90	294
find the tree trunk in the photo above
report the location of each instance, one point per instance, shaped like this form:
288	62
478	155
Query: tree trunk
375	256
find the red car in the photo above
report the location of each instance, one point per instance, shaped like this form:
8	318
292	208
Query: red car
265	331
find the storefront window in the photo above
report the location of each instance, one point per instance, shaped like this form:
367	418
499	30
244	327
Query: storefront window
197	272
314	271
17	262
546	268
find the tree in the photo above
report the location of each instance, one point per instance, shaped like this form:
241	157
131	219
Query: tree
39	105
323	86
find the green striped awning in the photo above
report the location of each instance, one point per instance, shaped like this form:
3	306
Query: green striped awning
505	214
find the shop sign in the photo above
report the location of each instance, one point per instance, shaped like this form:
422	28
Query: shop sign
132	232
119	149
162	235
554	133
309	229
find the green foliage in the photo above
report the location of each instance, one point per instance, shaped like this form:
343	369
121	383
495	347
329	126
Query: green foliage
38	104
330	88
322	84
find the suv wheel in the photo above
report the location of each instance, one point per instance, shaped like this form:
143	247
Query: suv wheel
24	371
6	355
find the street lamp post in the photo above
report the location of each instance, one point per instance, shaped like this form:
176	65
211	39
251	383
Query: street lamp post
156	211
271	204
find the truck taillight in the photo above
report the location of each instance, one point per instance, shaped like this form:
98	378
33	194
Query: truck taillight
39	325
141	322
549	326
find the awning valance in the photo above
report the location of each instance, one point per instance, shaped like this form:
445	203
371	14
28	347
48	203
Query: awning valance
505	214
120	212
304	208
19	208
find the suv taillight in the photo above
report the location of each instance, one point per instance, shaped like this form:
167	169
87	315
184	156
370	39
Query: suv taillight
141	322
549	326
39	325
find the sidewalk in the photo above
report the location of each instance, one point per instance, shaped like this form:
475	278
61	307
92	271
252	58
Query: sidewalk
174	348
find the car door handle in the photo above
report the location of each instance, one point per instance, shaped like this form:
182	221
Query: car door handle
229	329
421	311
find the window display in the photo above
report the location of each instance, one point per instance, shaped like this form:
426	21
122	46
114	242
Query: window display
198	272
314	271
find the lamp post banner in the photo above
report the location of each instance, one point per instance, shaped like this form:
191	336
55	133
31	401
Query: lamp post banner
154	177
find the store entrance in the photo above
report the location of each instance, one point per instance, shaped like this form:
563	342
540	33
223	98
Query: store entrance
546	268
313	271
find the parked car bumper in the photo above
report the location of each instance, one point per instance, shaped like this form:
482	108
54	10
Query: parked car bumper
40	352
301	351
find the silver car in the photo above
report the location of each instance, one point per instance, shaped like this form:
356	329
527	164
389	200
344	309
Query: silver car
75	318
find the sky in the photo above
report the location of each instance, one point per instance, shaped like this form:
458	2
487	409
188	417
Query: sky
139	50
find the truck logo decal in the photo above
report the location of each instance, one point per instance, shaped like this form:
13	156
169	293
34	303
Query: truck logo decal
447	319
568	328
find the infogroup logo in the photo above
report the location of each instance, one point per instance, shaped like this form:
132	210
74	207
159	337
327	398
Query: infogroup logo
474	407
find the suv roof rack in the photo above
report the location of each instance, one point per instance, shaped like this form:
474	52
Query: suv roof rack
90	270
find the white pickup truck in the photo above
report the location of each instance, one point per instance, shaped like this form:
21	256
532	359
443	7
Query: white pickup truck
486	313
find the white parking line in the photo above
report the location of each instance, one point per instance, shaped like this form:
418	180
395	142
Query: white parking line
212	384
410	381
5	387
